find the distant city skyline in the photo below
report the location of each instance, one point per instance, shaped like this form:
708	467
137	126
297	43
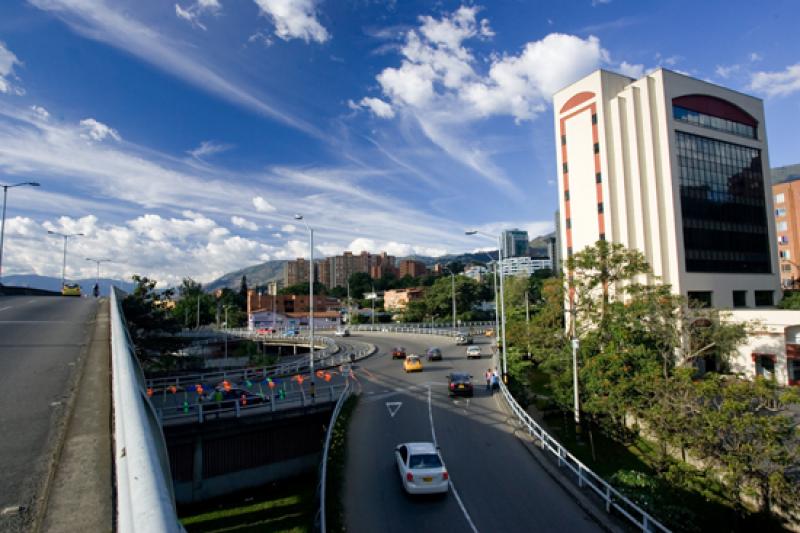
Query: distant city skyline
181	138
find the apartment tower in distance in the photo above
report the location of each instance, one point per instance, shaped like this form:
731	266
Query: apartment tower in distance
786	195
676	168
515	243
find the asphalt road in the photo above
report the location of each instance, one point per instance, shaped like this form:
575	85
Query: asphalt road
41	338
498	485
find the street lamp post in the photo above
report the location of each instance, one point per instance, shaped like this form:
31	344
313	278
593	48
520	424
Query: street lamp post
453	293
502	297
310	296
97	276
494	288
3	222
65	236
226	330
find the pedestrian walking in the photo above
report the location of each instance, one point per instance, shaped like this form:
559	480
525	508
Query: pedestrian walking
488	376
495	381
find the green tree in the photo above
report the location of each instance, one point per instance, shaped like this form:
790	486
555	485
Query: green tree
791	300
145	310
301	289
193	299
360	282
242	300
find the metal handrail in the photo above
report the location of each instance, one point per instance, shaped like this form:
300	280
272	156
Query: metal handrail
585	476
324	473
144	483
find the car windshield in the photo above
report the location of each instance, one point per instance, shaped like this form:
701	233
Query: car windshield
425	460
412	359
459	377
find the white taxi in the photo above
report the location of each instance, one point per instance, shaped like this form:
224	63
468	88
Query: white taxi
421	468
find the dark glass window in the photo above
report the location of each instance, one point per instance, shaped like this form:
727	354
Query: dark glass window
715	123
700	298
598	178
566	196
740	298
723	206
565	168
764	298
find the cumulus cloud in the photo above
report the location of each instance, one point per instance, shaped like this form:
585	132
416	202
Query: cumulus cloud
378	107
262	206
725	71
289	228
632	71
208	148
97	131
780	83
194	11
244	223
294	19
7	62
396	249
41	112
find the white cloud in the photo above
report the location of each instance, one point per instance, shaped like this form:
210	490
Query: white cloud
98	20
378	107
781	83
262	206
396	249
194	11
97	131
294	19
288	228
41	112
208	148
725	71
755	56
596	3
632	71
7	62
244	223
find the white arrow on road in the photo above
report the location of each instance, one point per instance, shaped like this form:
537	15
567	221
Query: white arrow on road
393	407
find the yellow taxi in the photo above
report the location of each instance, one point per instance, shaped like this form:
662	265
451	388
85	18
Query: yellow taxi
412	363
488	333
71	289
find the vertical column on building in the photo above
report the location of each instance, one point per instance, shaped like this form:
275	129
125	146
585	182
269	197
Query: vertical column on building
633	172
651	177
617	175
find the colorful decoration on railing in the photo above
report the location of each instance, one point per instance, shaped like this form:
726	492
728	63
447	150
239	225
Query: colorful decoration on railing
198	389
226	385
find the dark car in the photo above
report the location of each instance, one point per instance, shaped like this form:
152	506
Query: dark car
460	384
228	398
434	354
398	352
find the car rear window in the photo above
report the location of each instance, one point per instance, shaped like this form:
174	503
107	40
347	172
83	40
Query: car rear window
459	377
426	460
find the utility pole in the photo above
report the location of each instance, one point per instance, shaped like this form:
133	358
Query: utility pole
3	220
66	237
197	326
527	324
453	293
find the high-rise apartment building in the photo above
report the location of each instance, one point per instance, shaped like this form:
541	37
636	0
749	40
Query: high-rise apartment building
786	197
409	267
676	168
515	243
296	271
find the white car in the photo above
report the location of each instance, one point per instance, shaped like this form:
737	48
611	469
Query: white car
422	470
473	351
342	332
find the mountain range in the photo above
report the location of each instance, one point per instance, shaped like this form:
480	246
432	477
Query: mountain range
263	273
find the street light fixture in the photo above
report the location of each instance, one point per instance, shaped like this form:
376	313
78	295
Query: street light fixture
502	296
98	261
65	236
3	223
494	289
310	297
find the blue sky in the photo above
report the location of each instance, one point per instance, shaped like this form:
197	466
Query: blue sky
180	138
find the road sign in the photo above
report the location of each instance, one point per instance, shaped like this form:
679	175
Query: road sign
393	407
370	295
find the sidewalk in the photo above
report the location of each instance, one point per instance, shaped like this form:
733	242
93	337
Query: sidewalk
80	496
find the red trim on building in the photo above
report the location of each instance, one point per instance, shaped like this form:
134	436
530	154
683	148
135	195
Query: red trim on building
576	100
715	107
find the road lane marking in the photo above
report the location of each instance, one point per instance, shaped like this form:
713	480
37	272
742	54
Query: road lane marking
393	407
4	308
452	485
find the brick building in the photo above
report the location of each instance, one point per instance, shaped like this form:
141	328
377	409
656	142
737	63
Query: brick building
786	196
290	303
295	272
398	299
412	268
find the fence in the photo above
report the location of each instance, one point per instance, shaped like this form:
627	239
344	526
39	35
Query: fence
422	330
144	484
324	468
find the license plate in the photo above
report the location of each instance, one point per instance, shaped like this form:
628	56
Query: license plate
461	386
427	479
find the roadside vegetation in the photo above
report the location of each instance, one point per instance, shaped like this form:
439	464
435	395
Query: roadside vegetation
336	464
695	448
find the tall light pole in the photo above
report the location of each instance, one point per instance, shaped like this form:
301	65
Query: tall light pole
494	288
453	294
310	294
3	223
98	261
65	236
502	297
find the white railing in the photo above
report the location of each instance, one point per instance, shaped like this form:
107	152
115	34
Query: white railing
144	483
418	330
585	476
321	360
324	470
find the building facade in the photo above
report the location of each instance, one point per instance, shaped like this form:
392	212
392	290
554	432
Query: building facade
515	243
515	266
409	267
676	168
786	198
290	303
296	271
398	299
476	272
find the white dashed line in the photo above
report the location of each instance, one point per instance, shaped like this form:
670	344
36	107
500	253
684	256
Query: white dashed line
452	485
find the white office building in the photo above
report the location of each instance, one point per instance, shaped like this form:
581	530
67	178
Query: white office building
677	168
514	266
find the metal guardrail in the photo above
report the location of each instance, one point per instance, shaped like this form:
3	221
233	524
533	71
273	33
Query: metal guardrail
143	481
585	476
445	332
324	469
234	407
322	360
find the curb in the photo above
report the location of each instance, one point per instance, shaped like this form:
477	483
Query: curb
585	502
